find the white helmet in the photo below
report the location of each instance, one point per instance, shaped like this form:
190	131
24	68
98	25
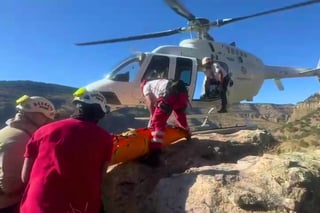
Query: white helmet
90	97
36	104
206	60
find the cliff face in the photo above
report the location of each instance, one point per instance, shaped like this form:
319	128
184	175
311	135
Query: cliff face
302	131
304	108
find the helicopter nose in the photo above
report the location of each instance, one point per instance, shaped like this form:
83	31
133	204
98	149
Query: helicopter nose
106	88
111	98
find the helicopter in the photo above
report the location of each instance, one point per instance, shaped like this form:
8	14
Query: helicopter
121	86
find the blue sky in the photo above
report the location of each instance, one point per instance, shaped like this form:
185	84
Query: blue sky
37	38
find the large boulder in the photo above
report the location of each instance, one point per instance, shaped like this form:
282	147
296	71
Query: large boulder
270	183
211	172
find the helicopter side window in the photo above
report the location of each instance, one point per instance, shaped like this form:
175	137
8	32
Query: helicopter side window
127	71
158	67
184	70
200	85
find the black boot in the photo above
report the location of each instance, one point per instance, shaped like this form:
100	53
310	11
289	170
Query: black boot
222	110
153	158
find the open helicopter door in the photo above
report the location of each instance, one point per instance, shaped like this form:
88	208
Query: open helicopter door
182	68
172	67
188	70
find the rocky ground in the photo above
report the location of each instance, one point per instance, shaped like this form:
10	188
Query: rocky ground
274	168
238	172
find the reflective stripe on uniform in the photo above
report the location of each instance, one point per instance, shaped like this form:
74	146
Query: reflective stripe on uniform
157	136
157	133
157	140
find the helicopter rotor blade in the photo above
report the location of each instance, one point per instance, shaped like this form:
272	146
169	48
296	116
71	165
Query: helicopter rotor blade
137	37
199	25
180	9
221	22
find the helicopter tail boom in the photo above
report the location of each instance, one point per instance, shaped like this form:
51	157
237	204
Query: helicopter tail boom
277	72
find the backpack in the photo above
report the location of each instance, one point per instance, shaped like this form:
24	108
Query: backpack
175	87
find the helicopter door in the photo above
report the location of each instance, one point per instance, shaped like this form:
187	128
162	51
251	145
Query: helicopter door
184	71
200	82
180	69
158	67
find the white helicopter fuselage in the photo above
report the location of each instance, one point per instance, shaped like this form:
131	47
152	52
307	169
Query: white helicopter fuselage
122	86
245	69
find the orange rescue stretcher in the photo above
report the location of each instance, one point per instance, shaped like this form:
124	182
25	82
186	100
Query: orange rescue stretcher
134	143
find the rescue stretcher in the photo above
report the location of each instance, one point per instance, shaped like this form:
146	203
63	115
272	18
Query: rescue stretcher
134	143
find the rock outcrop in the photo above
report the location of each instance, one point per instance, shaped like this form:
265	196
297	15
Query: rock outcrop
304	108
284	183
218	173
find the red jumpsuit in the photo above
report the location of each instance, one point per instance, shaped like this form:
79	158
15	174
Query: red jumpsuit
166	103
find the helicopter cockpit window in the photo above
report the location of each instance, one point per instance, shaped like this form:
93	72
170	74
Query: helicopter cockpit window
157	68
126	71
184	70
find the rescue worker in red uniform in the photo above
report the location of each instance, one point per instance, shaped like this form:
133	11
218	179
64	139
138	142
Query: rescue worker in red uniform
65	160
32	112
163	97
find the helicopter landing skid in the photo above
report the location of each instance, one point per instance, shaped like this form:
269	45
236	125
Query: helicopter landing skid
205	120
209	99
